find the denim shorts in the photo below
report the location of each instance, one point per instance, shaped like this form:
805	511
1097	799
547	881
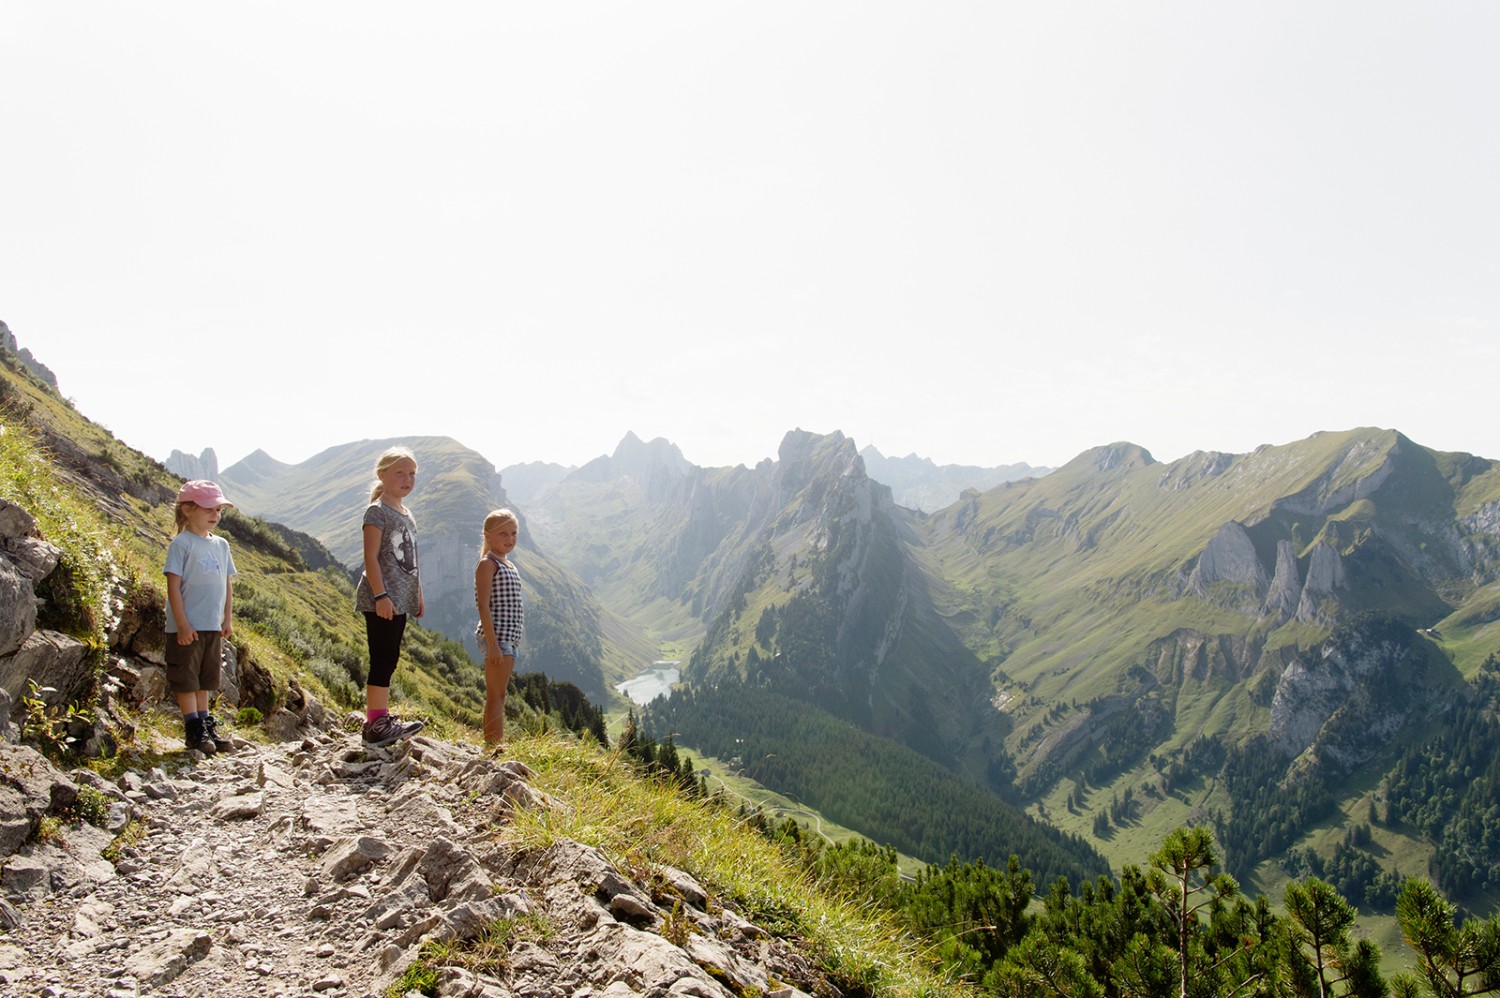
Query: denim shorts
506	648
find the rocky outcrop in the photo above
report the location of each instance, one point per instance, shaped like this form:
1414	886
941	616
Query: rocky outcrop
1187	655
1325	576
45	664
1340	705
1228	570
41	371
186	466
326	867
1285	592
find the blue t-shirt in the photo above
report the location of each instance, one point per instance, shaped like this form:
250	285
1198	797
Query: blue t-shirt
205	567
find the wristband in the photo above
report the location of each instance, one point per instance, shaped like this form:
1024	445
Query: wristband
380	596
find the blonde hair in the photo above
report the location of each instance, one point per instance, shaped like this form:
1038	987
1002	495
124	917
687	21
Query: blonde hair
495	516
387	459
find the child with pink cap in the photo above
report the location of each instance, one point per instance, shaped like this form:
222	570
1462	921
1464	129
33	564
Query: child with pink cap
200	599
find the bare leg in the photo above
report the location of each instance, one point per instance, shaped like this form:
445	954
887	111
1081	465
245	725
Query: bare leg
496	678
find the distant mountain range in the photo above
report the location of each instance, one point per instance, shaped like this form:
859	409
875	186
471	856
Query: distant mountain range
919	483
324	496
1114	644
1299	646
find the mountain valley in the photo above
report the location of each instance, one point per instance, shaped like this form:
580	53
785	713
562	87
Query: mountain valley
1100	645
1091	657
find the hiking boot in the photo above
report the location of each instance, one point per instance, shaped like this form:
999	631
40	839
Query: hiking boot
195	737
211	729
389	728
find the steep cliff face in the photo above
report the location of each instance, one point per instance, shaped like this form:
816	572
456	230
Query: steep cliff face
188	467
1340	705
832	608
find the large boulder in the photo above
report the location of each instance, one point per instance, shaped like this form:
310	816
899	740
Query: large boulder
58	664
30	787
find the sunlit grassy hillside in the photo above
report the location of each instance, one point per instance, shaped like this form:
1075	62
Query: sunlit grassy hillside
297	625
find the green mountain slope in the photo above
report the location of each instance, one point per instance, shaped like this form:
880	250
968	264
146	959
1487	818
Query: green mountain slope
1100	643
1207	572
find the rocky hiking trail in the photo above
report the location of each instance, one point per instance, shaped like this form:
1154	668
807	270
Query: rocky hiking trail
321	867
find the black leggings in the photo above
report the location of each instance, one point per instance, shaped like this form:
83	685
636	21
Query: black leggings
385	646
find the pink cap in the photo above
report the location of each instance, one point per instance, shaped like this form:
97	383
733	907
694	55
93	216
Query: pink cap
205	494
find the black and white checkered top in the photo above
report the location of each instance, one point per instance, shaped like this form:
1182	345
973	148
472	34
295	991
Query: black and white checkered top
507	608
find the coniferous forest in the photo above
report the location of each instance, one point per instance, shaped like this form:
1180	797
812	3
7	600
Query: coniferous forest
1176	926
894	795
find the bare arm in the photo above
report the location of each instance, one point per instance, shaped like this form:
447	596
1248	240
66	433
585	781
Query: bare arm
484	578
228	628
185	633
385	609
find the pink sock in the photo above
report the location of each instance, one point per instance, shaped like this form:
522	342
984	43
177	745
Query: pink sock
370	715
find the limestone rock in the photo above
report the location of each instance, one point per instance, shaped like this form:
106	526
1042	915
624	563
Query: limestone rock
57	663
165	959
1228	570
30	787
1285	592
17	608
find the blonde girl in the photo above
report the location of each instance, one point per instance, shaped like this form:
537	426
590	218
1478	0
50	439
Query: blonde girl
502	614
390	590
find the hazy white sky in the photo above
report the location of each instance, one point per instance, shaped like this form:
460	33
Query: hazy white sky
984	233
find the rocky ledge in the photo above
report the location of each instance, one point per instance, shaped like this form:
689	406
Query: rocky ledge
327	868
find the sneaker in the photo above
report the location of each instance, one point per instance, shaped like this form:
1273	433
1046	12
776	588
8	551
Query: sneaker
195	737
389	728
211	729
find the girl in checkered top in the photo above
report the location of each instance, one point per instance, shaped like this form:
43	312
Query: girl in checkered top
502	613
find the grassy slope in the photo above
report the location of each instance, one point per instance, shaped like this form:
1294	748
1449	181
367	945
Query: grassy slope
293	622
607	805
1063	581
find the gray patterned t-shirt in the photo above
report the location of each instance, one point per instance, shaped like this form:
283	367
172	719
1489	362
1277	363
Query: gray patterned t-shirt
397	559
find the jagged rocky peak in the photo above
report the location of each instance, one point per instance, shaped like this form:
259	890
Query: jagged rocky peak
1285	593
205	465
635	457
804	456
801	445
